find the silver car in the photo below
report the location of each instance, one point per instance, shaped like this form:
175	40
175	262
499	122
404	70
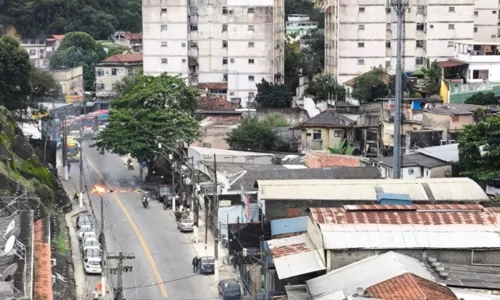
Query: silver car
185	225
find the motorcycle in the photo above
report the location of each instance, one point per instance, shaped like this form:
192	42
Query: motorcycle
130	166
145	202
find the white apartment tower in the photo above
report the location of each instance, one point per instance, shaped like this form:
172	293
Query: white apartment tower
361	34
222	46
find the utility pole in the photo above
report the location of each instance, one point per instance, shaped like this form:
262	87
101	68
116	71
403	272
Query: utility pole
173	183
216	214
64	150
119	271
400	7
102	239
81	151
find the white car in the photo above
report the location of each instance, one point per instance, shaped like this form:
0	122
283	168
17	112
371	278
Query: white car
90	244
185	225
89	235
83	229
92	265
92	252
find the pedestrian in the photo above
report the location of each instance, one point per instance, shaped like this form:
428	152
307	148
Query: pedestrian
195	264
95	295
69	167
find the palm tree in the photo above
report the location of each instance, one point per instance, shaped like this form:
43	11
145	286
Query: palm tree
432	76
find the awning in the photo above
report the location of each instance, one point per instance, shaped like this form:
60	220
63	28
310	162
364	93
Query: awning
294	256
451	63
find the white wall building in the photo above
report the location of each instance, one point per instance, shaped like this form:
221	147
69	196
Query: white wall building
483	61
228	44
362	34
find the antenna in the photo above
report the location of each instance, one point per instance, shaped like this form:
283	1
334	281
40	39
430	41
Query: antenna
9	245
11	226
16	232
9	272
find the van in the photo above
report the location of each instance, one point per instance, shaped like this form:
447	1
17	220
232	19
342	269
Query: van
229	289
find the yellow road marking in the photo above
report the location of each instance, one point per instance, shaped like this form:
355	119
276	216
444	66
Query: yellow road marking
139	236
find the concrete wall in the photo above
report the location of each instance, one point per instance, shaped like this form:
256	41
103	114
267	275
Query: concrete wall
388	133
293	116
343	258
330	138
439	172
110	76
71	80
446	122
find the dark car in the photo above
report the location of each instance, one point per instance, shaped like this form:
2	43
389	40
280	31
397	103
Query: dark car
125	183
207	265
229	289
162	193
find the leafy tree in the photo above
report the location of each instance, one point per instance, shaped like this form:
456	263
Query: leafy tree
15	69
43	85
271	95
79	49
370	86
292	65
155	109
127	83
256	135
405	82
479	150
432	77
316	48
482	99
325	86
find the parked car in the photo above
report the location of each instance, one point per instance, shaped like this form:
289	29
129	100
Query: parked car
207	265
92	265
84	219
83	229
90	244
162	192
89	234
185	225
229	289
92	252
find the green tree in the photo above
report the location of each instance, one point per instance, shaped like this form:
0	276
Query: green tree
370	86
482	99
256	135
325	87
79	49
15	67
155	109
479	150
292	64
43	86
406	85
127	83
271	95
432	77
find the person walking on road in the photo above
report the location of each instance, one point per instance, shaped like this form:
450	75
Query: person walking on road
95	295
195	264
69	167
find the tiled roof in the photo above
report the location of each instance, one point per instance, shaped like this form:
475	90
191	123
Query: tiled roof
123	58
440	214
43	271
451	63
213	85
213	103
410	287
58	37
132	36
328	118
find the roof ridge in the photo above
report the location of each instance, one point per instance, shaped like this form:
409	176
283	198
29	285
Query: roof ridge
417	286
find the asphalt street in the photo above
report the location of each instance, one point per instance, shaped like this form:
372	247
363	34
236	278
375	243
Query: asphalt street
162	267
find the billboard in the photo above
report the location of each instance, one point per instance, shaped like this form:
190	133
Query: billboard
73	98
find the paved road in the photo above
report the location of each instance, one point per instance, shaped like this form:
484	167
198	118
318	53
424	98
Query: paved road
162	253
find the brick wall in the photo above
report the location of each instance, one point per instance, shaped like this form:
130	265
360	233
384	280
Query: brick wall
326	160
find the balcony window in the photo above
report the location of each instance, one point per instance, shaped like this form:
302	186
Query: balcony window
99	86
224	10
420	44
164	10
451	9
224	27
361	45
99	72
251	78
193	45
251	61
164	61
451	26
224	44
250	28
251	10
224	77
251	44
194	27
361	27
420	26
419	61
164	44
224	60
361	9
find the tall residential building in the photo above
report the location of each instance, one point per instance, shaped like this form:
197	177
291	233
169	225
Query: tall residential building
362	34
223	46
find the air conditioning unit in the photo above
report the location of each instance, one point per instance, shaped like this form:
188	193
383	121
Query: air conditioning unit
452	142
443	142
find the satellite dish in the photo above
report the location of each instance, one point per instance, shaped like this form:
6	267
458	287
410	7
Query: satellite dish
11	226
9	245
9	272
16	232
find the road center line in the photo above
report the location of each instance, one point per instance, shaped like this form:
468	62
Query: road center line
139	236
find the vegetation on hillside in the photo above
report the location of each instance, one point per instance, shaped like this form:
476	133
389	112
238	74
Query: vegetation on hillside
482	99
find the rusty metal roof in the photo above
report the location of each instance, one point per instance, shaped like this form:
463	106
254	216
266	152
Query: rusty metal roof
441	214
294	256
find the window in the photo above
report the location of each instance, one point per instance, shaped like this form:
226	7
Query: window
361	27
450	44
476	13
224	60
361	9
361	62
32	52
338	133
387	63
420	9
100	86
113	71
475	29
251	95
164	44
420	43
164	10
251	61
164	61
251	10
451	9
419	60
251	44
224	10
493	36
420	26
361	45
388	45
193	45
316	135
99	72
130	71
388	10
194	27
494	12
224	77
224	27
451	26
224	44
250	28
251	78
164	27
193	10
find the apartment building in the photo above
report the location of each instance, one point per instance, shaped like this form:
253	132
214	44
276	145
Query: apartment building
112	70
230	44
362	34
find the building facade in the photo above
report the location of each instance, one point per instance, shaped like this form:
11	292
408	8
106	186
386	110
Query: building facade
70	80
230	43
361	35
112	70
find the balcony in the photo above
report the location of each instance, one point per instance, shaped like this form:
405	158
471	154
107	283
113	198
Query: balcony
477	52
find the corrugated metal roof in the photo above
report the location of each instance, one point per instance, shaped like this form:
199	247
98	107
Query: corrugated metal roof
432	189
405	214
412	160
297	292
212	151
375	236
447	153
294	256
365	273
290	225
